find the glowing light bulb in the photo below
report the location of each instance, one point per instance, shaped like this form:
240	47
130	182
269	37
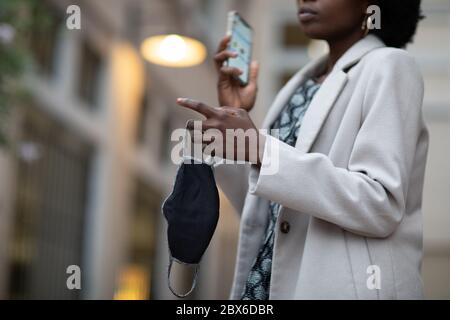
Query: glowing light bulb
173	51
173	48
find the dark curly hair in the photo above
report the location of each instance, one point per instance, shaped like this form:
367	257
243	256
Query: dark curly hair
399	20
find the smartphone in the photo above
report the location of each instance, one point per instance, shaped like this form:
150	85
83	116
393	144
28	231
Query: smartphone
241	42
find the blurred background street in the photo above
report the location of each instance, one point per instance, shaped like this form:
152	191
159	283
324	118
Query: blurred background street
85	151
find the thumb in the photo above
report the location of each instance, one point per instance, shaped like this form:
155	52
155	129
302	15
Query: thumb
254	70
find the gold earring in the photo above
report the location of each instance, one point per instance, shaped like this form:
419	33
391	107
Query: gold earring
367	26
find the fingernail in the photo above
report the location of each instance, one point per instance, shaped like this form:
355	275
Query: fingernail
181	99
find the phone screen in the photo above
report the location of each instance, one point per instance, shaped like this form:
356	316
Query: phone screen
241	42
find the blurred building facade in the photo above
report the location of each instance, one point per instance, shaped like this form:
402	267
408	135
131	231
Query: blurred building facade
91	164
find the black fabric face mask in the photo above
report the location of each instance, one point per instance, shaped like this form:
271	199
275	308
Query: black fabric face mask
192	213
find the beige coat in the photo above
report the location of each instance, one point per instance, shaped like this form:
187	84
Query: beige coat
350	190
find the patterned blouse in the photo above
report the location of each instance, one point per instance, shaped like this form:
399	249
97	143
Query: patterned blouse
288	123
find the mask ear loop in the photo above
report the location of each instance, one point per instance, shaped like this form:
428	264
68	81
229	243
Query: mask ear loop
194	282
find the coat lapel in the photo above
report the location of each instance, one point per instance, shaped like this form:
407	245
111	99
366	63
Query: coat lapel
288	90
319	108
326	96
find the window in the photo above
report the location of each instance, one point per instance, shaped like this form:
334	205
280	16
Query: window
51	194
143	117
43	37
135	280
89	79
166	143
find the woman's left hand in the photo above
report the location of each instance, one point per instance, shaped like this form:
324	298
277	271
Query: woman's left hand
232	123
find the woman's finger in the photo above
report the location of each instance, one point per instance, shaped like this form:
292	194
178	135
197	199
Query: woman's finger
229	71
222	47
197	106
200	131
254	70
223	43
201	126
224	55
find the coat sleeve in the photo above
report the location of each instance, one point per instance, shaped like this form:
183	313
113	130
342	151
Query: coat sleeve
369	196
232	179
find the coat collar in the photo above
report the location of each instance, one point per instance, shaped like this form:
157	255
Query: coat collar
328	93
353	55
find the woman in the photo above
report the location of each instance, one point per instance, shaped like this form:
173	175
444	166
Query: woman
341	216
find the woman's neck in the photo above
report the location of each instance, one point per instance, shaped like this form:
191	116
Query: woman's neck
337	48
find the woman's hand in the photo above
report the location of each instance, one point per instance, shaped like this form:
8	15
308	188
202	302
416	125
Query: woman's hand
230	91
235	128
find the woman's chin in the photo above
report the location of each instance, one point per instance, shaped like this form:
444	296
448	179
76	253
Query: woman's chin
313	35
312	30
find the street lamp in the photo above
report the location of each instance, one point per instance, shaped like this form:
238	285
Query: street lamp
173	50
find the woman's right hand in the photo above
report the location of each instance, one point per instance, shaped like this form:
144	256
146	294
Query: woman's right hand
230	91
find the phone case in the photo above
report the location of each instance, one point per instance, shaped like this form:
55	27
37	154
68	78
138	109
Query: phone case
232	15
